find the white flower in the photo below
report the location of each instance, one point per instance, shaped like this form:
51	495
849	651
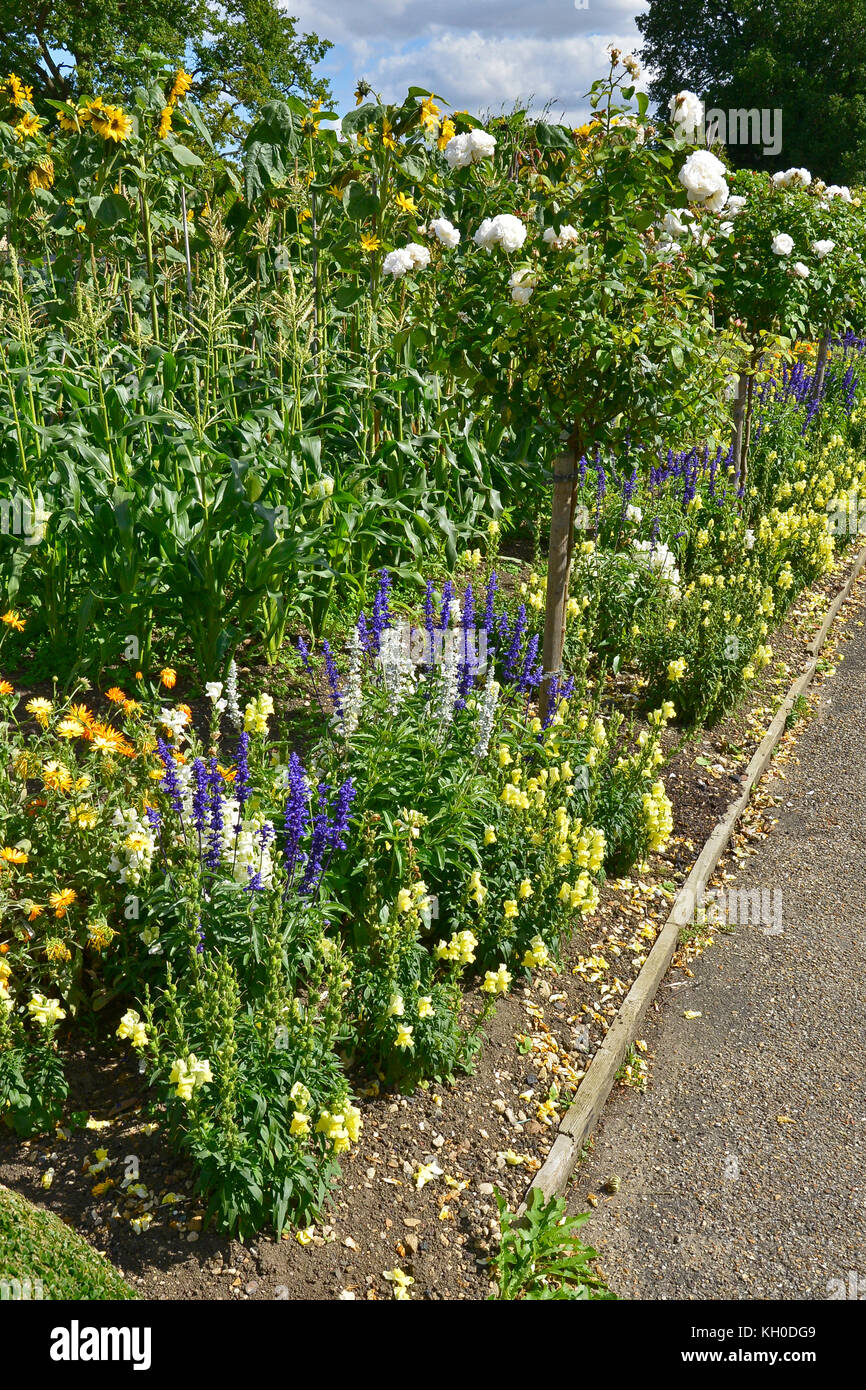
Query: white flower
213	690
822	248
800	270
672	225
735	204
836	190
418	254
783	245
717	200
445	232
522	284
481	144
687	112
397	263
504	230
750	539
793	178
566	236
702	176
469	148
633	513
174	719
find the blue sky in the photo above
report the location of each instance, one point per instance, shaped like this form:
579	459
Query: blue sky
477	54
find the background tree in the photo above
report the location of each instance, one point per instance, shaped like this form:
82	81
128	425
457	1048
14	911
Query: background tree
804	57
240	52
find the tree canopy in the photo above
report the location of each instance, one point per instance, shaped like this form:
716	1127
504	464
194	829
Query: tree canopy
239	52
806	58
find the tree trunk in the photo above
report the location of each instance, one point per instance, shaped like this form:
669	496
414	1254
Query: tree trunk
820	367
558	570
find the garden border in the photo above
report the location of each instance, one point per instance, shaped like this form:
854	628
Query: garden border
583	1114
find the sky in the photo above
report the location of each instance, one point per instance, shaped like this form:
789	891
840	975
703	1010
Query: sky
479	55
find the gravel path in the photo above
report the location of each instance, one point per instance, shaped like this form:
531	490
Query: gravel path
720	1196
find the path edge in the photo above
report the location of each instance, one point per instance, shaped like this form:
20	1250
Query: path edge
582	1116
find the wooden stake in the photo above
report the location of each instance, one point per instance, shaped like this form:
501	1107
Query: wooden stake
558	570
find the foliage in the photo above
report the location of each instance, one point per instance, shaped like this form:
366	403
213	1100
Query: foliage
541	1255
40	1248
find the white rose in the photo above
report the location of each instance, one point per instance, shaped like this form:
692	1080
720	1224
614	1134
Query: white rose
717	200
687	112
458	152
735	204
566	236
481	145
836	190
702	175
822	248
445	232
397	263
672	225
503	230
522	284
419	255
793	178
800	270
783	245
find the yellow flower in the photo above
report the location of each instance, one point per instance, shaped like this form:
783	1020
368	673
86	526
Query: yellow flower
677	669
13	856
41	709
404	900
425	1006
12	619
112	123
300	1123
164	127
369	241
496	981
525	889
388	136
45	1011
405	203
447	132
28	126
402	1283
182	84
509	908
168	677
61	901
404	1036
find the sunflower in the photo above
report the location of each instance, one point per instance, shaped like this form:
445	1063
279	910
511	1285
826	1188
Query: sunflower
182	84
28	126
42	173
164	127
369	241
448	131
68	119
61	901
112	123
91	108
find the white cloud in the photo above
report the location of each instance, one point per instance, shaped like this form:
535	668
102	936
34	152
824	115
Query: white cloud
476	53
478	72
